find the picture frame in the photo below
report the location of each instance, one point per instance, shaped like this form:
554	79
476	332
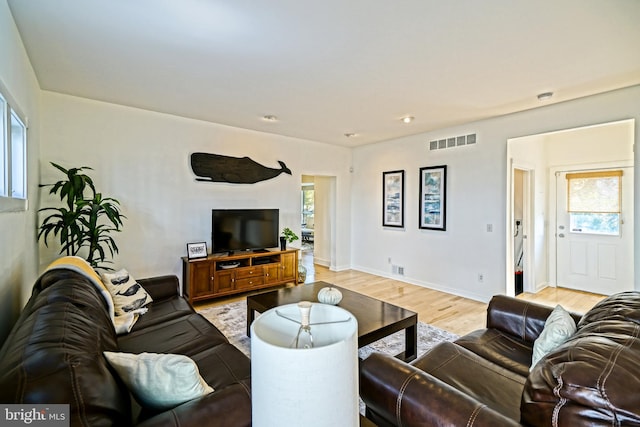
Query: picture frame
432	200
393	198
196	250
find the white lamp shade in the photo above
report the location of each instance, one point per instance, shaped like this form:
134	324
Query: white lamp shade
304	387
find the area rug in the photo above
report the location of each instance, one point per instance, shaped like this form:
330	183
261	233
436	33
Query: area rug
231	319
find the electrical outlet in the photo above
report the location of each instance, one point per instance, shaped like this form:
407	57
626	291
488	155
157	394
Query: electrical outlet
481	277
389	260
400	271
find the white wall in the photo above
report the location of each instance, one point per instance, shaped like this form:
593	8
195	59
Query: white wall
18	250
142	159
477	189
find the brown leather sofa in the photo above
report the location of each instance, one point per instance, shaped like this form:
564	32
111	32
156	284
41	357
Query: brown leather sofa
54	354
483	378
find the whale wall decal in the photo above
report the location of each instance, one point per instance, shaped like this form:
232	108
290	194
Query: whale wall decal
235	170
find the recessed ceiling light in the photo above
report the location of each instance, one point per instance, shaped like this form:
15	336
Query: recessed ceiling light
270	118
545	96
350	134
407	119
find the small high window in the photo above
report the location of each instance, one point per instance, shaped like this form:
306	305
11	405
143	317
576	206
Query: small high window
18	157
4	188
13	156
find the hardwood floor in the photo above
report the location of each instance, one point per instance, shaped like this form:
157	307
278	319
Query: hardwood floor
452	313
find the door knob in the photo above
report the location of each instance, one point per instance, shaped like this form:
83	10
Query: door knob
561	235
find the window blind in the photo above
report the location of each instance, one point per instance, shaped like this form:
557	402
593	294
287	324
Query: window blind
594	192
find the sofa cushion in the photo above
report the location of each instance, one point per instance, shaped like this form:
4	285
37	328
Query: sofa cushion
498	388
591	379
161	287
163	311
228	407
558	328
159	381
624	306
128	295
228	371
500	348
223	365
188	335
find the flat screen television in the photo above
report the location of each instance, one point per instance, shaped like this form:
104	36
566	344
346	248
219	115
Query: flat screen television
244	229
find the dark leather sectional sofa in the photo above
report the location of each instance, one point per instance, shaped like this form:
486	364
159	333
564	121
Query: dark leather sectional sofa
54	354
483	378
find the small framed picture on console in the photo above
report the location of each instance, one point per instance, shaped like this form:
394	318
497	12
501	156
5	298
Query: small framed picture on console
197	250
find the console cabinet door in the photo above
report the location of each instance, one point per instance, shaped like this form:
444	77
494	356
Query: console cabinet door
224	281
201	279
272	273
289	267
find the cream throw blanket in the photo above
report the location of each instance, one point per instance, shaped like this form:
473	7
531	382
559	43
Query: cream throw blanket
122	324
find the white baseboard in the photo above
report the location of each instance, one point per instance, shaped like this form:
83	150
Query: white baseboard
437	287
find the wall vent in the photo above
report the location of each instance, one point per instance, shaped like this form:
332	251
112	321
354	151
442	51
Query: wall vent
396	269
456	141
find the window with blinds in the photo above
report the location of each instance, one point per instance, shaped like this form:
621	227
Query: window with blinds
594	202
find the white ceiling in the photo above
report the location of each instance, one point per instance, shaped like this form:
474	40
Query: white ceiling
335	66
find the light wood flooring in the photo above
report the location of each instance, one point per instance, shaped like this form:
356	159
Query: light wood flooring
449	312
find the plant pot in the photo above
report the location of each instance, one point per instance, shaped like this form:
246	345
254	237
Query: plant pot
283	243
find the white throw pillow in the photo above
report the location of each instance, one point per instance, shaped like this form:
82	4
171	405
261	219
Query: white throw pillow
159	381
128	295
558	328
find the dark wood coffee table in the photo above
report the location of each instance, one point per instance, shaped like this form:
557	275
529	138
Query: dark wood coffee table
376	319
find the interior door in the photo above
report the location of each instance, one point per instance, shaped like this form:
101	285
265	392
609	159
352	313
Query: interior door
598	263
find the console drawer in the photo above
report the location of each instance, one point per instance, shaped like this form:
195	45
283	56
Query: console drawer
243	273
249	282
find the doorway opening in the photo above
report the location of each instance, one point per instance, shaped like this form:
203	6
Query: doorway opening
307	221
318	213
522	186
533	163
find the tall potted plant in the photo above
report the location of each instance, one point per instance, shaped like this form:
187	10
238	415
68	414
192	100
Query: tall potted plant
85	223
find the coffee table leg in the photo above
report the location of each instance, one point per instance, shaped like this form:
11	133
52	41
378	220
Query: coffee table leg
411	343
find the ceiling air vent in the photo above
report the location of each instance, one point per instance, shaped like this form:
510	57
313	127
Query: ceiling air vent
455	141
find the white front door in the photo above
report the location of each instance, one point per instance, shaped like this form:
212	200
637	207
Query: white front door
595	262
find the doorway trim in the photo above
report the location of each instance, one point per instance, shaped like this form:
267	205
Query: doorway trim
528	188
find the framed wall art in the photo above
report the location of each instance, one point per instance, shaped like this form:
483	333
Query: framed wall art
433	198
393	199
197	250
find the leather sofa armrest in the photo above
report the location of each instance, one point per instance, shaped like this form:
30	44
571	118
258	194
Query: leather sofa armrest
160	287
519	318
402	394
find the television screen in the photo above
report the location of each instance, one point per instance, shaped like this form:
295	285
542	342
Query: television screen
244	229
